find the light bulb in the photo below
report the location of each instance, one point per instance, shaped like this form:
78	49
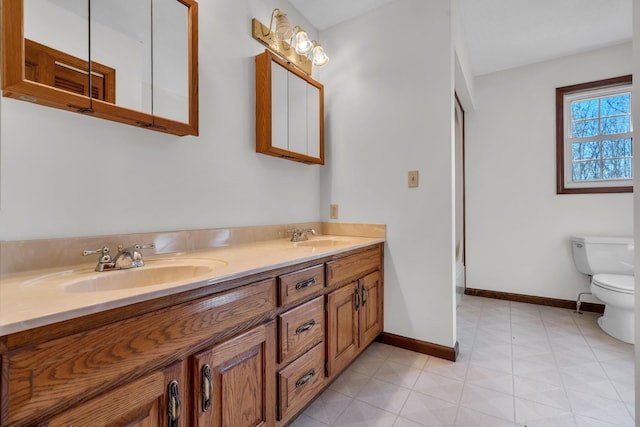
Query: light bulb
320	58
284	31
303	44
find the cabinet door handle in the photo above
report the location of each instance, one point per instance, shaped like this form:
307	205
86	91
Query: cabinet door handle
305	283
305	378
365	295
207	387
174	403
305	326
357	299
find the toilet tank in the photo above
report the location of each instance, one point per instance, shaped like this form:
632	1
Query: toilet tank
603	254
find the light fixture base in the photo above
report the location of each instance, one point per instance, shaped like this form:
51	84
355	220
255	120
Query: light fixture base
281	48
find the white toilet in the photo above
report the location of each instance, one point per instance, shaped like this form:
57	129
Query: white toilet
609	262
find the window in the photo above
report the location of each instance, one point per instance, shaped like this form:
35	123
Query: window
594	135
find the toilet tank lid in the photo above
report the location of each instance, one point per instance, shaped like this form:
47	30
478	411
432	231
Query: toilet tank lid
612	240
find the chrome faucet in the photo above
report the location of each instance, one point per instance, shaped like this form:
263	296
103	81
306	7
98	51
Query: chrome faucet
130	257
301	235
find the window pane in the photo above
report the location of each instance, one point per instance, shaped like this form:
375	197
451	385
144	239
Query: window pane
584	128
583	171
586	150
615	105
616	148
615	169
613	125
581	110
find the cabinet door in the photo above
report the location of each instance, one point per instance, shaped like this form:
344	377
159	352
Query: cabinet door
234	381
342	327
146	402
370	320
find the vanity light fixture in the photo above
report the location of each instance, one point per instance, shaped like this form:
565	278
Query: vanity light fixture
302	43
290	43
283	31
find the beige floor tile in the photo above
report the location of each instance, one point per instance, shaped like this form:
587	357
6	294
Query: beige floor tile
519	365
469	418
429	410
383	395
359	414
488	401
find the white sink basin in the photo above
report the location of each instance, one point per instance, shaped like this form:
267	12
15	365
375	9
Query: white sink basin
137	278
153	273
321	243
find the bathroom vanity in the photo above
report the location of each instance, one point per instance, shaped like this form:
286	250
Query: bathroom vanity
250	347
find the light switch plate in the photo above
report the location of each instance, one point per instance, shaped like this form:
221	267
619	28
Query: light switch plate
413	179
333	211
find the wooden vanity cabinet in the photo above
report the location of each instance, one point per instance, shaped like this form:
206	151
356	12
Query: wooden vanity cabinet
42	380
141	403
354	310
301	336
235	381
255	354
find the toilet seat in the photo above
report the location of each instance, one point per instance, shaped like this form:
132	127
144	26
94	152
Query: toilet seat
615	282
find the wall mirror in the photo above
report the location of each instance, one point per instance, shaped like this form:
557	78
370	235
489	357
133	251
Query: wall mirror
289	111
128	61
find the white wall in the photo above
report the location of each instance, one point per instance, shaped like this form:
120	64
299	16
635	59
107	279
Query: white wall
64	174
518	228
389	91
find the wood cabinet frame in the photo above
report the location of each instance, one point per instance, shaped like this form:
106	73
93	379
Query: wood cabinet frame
264	116
15	85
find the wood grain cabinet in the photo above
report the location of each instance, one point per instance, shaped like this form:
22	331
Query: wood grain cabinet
41	380
157	399
301	335
289	111
254	351
234	381
354	310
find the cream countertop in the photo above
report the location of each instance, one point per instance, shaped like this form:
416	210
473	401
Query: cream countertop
37	298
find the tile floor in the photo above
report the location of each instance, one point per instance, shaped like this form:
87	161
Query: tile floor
519	365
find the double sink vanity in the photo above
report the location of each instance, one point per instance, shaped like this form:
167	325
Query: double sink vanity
245	334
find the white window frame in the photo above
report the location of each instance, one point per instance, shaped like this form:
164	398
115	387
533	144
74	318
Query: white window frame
581	92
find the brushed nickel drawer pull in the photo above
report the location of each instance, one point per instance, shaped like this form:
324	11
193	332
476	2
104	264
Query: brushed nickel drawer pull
305	283
207	387
305	326
174	403
305	378
357	303
365	295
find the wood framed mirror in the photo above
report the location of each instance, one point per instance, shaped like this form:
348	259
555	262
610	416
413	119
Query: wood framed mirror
289	111
129	62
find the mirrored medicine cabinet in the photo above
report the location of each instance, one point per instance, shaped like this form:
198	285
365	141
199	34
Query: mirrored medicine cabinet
289	111
132	62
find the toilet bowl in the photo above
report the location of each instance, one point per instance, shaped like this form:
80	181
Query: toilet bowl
609	262
616	291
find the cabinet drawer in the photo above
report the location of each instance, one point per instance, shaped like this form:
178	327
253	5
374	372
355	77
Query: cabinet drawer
35	380
300	329
300	381
295	286
352	267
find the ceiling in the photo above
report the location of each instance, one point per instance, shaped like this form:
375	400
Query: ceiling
502	34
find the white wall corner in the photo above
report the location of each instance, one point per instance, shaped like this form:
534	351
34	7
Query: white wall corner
464	78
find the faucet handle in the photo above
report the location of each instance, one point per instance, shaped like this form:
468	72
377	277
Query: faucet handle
146	246
105	262
104	252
